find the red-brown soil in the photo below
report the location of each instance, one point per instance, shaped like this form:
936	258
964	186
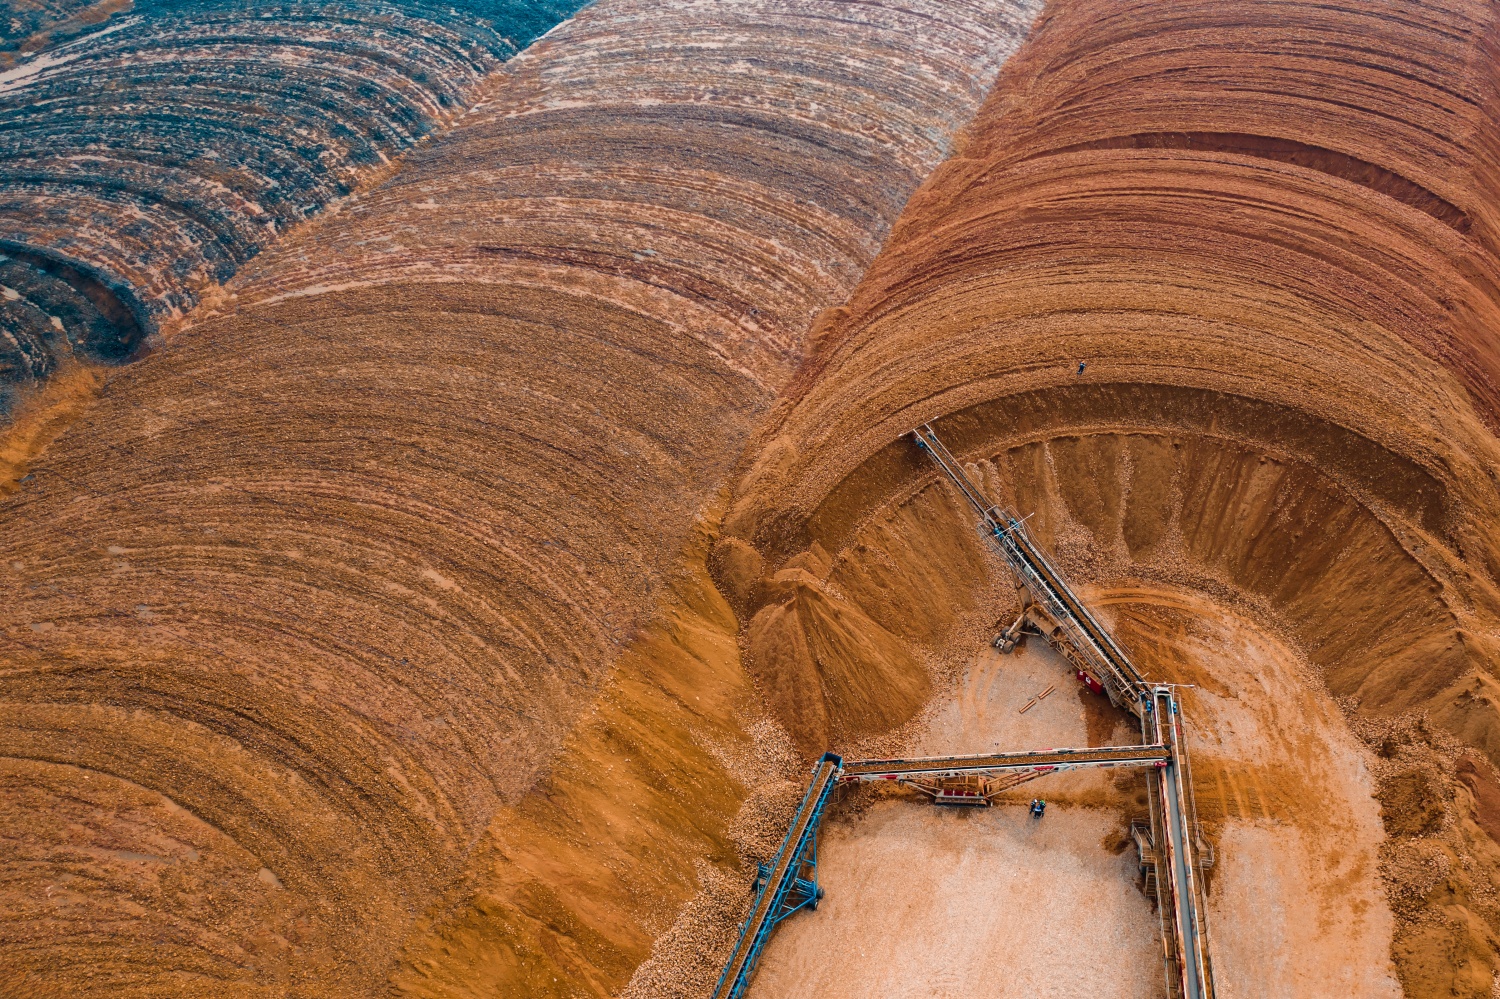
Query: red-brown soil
348	639
1269	231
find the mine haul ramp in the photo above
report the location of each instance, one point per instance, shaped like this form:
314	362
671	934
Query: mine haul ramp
789	882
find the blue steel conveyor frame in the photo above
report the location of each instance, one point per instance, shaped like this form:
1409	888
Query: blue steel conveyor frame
787	884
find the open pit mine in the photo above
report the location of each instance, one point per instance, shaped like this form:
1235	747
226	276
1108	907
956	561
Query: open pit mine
750	499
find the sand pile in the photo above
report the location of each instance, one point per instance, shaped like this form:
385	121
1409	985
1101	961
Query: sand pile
323	610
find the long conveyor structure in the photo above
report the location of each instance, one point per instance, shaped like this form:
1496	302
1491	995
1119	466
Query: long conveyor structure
1173	821
1087	639
1185	937
789	883
981	779
1047	761
784	886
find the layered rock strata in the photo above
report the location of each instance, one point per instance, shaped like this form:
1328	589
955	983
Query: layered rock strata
308	604
143	164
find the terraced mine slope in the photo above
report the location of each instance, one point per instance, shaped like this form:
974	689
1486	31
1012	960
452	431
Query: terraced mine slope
143	164
315	623
450	604
1269	231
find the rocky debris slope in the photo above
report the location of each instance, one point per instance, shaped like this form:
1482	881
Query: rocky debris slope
146	162
1211	292
319	589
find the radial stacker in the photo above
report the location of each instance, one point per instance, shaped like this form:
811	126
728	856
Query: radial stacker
787	884
1171	855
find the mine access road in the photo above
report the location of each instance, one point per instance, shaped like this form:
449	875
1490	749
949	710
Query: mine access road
1049	608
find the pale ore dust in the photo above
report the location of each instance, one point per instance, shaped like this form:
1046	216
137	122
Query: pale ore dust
1297	908
927	902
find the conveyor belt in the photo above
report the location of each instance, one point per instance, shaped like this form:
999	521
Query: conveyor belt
1184	932
778	884
1042	579
1189	956
1058	759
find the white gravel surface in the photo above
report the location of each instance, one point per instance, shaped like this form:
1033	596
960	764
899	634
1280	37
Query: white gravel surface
928	902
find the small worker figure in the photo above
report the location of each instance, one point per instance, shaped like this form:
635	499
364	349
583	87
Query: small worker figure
1082	365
